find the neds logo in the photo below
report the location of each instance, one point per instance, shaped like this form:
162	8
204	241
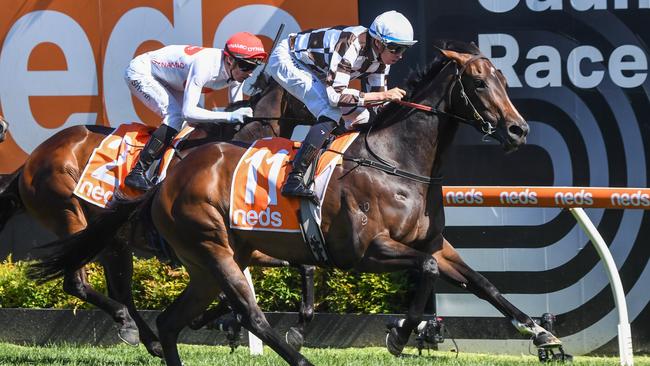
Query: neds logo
634	199
526	197
472	197
253	218
570	198
95	192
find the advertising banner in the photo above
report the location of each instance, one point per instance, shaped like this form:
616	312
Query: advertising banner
578	72
62	62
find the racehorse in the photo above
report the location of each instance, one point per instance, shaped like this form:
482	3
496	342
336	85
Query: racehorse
382	212
44	187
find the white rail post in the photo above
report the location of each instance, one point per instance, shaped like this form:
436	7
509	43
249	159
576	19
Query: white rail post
255	344
624	331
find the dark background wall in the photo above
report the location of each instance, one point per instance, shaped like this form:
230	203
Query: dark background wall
581	135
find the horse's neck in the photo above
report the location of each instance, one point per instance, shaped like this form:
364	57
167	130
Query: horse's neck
413	143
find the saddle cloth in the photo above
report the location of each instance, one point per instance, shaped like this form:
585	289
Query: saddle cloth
255	199
114	158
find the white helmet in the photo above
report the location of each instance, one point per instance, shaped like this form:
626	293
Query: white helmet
392	27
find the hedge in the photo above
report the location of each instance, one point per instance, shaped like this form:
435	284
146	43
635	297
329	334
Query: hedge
156	285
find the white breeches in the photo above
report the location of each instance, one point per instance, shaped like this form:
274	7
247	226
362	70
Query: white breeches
301	82
165	102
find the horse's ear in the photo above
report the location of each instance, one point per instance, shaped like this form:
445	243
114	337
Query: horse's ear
460	58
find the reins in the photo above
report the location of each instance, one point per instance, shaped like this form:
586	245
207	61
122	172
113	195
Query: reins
384	166
486	127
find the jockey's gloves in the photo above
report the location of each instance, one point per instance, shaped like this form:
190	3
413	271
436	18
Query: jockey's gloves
238	115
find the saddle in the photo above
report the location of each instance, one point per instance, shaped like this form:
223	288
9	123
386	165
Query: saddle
255	200
114	157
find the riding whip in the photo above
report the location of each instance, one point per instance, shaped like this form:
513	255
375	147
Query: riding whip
256	87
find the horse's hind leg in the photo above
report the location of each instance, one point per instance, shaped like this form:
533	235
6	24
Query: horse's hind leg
118	270
387	255
456	271
76	283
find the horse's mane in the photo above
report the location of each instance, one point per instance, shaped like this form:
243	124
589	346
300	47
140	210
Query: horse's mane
420	78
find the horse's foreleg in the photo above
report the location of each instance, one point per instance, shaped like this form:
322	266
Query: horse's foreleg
229	275
296	335
259	259
456	271
211	314
118	270
198	294
387	255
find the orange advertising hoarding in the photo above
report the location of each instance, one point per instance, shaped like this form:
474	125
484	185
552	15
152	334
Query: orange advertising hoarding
62	62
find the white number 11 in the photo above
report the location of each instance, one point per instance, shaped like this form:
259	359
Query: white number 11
276	161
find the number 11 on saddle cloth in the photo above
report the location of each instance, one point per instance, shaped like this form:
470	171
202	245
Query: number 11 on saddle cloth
255	199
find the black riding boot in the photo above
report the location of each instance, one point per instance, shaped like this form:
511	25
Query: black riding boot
152	150
295	185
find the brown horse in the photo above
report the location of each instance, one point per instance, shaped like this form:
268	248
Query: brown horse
43	187
383	210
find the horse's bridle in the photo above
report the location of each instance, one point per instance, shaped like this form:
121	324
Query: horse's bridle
486	127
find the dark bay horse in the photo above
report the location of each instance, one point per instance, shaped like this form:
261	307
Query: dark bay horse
44	186
372	221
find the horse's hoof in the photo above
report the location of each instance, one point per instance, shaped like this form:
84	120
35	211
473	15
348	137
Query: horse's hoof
394	343
155	349
195	324
294	338
130	336
546	340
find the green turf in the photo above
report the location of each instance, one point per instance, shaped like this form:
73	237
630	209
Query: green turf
216	356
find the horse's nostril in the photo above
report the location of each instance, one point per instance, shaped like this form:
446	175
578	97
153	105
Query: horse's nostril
516	130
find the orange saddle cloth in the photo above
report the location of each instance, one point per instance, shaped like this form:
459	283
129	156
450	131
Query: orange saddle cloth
112	160
255	199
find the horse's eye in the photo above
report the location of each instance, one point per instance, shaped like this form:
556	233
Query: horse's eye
480	84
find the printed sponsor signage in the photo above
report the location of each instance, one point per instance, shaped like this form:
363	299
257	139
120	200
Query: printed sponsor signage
595	197
64	61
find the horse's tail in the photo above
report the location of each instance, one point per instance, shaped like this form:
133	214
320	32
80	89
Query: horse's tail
73	252
10	201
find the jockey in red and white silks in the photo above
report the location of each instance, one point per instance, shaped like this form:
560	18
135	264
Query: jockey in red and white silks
317	66
170	80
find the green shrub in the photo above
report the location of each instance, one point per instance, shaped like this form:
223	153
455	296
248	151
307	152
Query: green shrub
368	293
156	285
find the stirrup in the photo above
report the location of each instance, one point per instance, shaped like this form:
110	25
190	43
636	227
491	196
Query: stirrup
298	191
137	179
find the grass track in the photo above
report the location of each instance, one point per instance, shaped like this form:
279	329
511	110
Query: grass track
217	356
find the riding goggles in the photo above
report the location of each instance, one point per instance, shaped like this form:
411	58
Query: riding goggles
247	64
396	48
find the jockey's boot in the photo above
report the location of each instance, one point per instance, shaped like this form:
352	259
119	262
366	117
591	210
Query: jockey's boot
318	133
151	151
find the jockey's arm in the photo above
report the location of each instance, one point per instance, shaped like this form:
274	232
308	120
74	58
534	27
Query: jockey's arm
340	94
192	95
377	90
